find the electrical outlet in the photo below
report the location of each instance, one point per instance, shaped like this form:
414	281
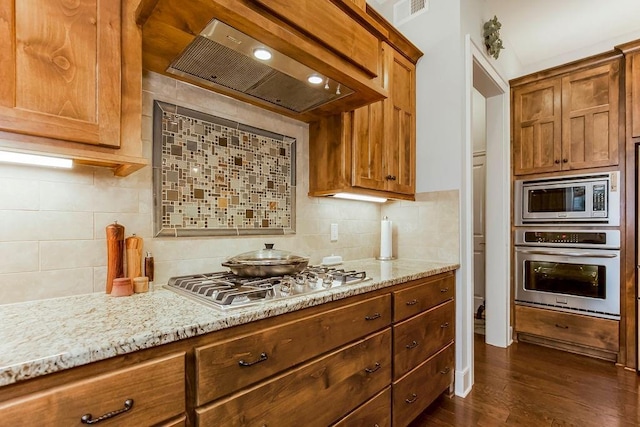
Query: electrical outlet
334	232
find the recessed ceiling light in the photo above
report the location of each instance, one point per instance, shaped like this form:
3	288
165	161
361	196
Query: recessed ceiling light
262	54
315	79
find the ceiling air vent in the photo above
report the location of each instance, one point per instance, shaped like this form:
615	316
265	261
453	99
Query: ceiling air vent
406	10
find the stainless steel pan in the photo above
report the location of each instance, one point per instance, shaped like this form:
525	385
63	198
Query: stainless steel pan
266	262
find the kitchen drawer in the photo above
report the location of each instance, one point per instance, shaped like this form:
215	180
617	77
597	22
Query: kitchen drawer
419	388
426	294
416	339
156	387
375	412
571	328
269	351
317	393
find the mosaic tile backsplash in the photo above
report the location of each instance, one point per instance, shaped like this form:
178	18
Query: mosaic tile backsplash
214	176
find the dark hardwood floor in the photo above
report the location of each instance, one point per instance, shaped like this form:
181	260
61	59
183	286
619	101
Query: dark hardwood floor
530	385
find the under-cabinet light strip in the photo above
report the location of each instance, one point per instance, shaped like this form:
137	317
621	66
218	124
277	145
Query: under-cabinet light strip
361	197
32	159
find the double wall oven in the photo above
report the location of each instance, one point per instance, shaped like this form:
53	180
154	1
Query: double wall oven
567	244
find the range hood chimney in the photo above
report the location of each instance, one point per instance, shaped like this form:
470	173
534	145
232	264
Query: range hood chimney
221	56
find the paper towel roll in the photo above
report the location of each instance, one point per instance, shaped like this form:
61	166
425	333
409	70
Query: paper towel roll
385	238
386	268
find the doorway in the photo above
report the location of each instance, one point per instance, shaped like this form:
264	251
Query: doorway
479	144
482	76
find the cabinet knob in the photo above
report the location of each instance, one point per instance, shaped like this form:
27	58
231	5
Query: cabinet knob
557	162
565	160
390	177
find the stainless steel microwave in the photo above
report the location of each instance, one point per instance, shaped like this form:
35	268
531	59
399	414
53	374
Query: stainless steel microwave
592	199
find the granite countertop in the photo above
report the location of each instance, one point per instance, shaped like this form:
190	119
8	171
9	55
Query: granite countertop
42	337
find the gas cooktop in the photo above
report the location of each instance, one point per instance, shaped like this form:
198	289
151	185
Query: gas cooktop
224	290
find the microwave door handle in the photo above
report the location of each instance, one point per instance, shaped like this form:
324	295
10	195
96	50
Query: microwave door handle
571	254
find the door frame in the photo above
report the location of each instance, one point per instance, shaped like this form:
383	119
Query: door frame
480	72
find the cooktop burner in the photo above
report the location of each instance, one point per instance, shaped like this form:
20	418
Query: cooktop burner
225	290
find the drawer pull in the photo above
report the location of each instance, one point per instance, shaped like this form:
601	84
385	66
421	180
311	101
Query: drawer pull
412	302
444	290
412	399
88	418
372	370
373	316
445	325
561	326
445	371
262	358
413	344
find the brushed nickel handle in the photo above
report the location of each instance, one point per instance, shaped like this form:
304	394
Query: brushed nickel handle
412	399
412	302
445	325
88	418
372	370
373	316
444	290
413	344
445	371
262	358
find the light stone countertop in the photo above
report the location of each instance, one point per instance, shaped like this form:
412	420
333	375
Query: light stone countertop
46	336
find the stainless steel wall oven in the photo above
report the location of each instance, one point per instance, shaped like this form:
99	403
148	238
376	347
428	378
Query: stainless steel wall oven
569	270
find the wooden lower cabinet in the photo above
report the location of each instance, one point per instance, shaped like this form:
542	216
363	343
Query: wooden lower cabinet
421	336
414	392
154	390
331	364
375	412
574	332
272	350
317	393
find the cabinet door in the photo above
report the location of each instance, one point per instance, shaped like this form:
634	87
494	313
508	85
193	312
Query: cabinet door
537	127
399	165
590	117
384	132
61	69
634	82
368	137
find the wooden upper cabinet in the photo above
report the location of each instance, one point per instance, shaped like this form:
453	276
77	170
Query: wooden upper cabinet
590	117
567	121
537	127
370	150
631	53
61	70
71	84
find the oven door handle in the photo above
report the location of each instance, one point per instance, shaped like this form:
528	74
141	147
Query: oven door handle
571	254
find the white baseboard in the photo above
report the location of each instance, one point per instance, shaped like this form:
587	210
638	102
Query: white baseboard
463	382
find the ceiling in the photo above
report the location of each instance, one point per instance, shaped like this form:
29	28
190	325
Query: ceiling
540	30
545	33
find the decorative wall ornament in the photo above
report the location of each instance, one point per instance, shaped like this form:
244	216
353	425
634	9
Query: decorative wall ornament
214	176
491	35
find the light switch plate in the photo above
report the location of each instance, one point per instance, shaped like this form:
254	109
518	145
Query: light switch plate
334	232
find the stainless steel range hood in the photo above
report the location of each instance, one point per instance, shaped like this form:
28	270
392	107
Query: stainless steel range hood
221	56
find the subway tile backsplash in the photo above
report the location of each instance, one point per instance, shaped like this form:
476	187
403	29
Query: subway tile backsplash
52	222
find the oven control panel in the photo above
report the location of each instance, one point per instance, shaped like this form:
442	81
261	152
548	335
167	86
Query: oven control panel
576	237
